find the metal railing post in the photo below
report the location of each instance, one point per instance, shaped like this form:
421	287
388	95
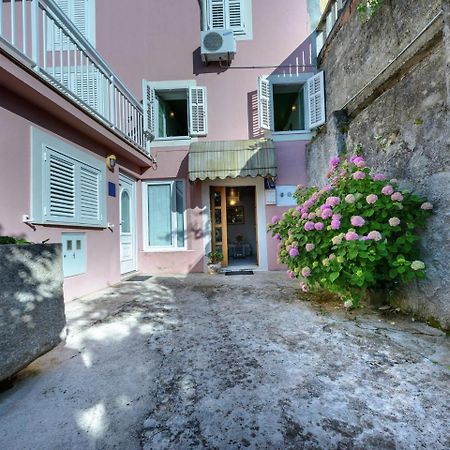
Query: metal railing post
35	31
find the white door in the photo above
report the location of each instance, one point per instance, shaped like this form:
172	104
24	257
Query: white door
127	224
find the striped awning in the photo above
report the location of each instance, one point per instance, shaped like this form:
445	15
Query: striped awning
222	159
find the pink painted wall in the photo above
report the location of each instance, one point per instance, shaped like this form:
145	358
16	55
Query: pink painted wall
17	117
161	42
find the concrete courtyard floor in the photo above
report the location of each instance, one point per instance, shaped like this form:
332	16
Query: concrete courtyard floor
226	363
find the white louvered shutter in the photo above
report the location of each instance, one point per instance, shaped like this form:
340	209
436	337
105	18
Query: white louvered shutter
216	14
79	16
235	19
60	192
315	92
264	103
89	208
150	112
198	114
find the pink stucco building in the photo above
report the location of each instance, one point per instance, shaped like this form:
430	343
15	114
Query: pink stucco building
206	107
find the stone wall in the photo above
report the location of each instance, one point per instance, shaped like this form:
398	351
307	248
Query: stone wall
391	98
32	319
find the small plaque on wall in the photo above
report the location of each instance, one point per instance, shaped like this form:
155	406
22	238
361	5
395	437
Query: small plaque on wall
285	195
111	189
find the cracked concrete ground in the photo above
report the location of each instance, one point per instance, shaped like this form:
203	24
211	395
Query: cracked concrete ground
230	362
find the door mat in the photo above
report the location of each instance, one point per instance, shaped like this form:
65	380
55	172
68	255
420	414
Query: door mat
139	278
239	272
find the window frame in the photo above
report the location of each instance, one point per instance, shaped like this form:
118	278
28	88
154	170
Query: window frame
174	247
175	85
300	79
42	143
246	17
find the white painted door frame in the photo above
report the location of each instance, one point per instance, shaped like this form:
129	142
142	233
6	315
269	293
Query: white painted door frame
258	182
128	237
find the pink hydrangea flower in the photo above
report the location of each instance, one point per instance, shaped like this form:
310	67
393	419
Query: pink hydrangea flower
427	206
312	216
378	177
387	190
350	198
351	236
396	197
291	274
375	236
304	216
337	217
364	238
336	240
332	201
372	198
394	221
293	252
318	226
359	161
335	224
309	226
359	175
326	213
306	272
334	162
304	287
357	221
277	237
332	256
327	188
310	247
275	219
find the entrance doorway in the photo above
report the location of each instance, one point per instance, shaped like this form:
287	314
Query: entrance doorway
234	225
127	203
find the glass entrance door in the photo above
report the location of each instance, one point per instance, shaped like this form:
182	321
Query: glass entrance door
219	237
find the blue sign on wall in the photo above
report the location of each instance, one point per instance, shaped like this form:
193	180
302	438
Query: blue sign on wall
111	189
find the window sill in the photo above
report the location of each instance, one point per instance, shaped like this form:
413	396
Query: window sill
166	250
281	136
173	142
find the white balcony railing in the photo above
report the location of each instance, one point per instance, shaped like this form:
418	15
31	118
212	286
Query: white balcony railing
38	33
329	17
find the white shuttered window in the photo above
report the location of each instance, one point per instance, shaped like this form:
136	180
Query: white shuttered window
68	185
233	15
308	103
82	14
175	110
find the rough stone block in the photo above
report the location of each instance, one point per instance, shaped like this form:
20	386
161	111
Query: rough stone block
32	319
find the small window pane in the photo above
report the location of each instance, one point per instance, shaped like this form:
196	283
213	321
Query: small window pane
125	212
159	215
179	204
78	244
69	245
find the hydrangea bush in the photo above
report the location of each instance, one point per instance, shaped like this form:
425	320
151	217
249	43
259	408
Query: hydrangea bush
357	232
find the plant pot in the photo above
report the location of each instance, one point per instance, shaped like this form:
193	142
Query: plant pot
214	269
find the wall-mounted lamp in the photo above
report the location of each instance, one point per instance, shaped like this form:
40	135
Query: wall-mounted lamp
111	162
294	107
172	114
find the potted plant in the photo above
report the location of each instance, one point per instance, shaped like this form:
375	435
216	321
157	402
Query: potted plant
214	263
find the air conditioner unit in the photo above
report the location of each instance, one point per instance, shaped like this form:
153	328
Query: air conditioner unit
217	45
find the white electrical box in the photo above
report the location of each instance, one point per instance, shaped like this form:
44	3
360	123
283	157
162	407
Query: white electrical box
74	253
285	195
271	196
